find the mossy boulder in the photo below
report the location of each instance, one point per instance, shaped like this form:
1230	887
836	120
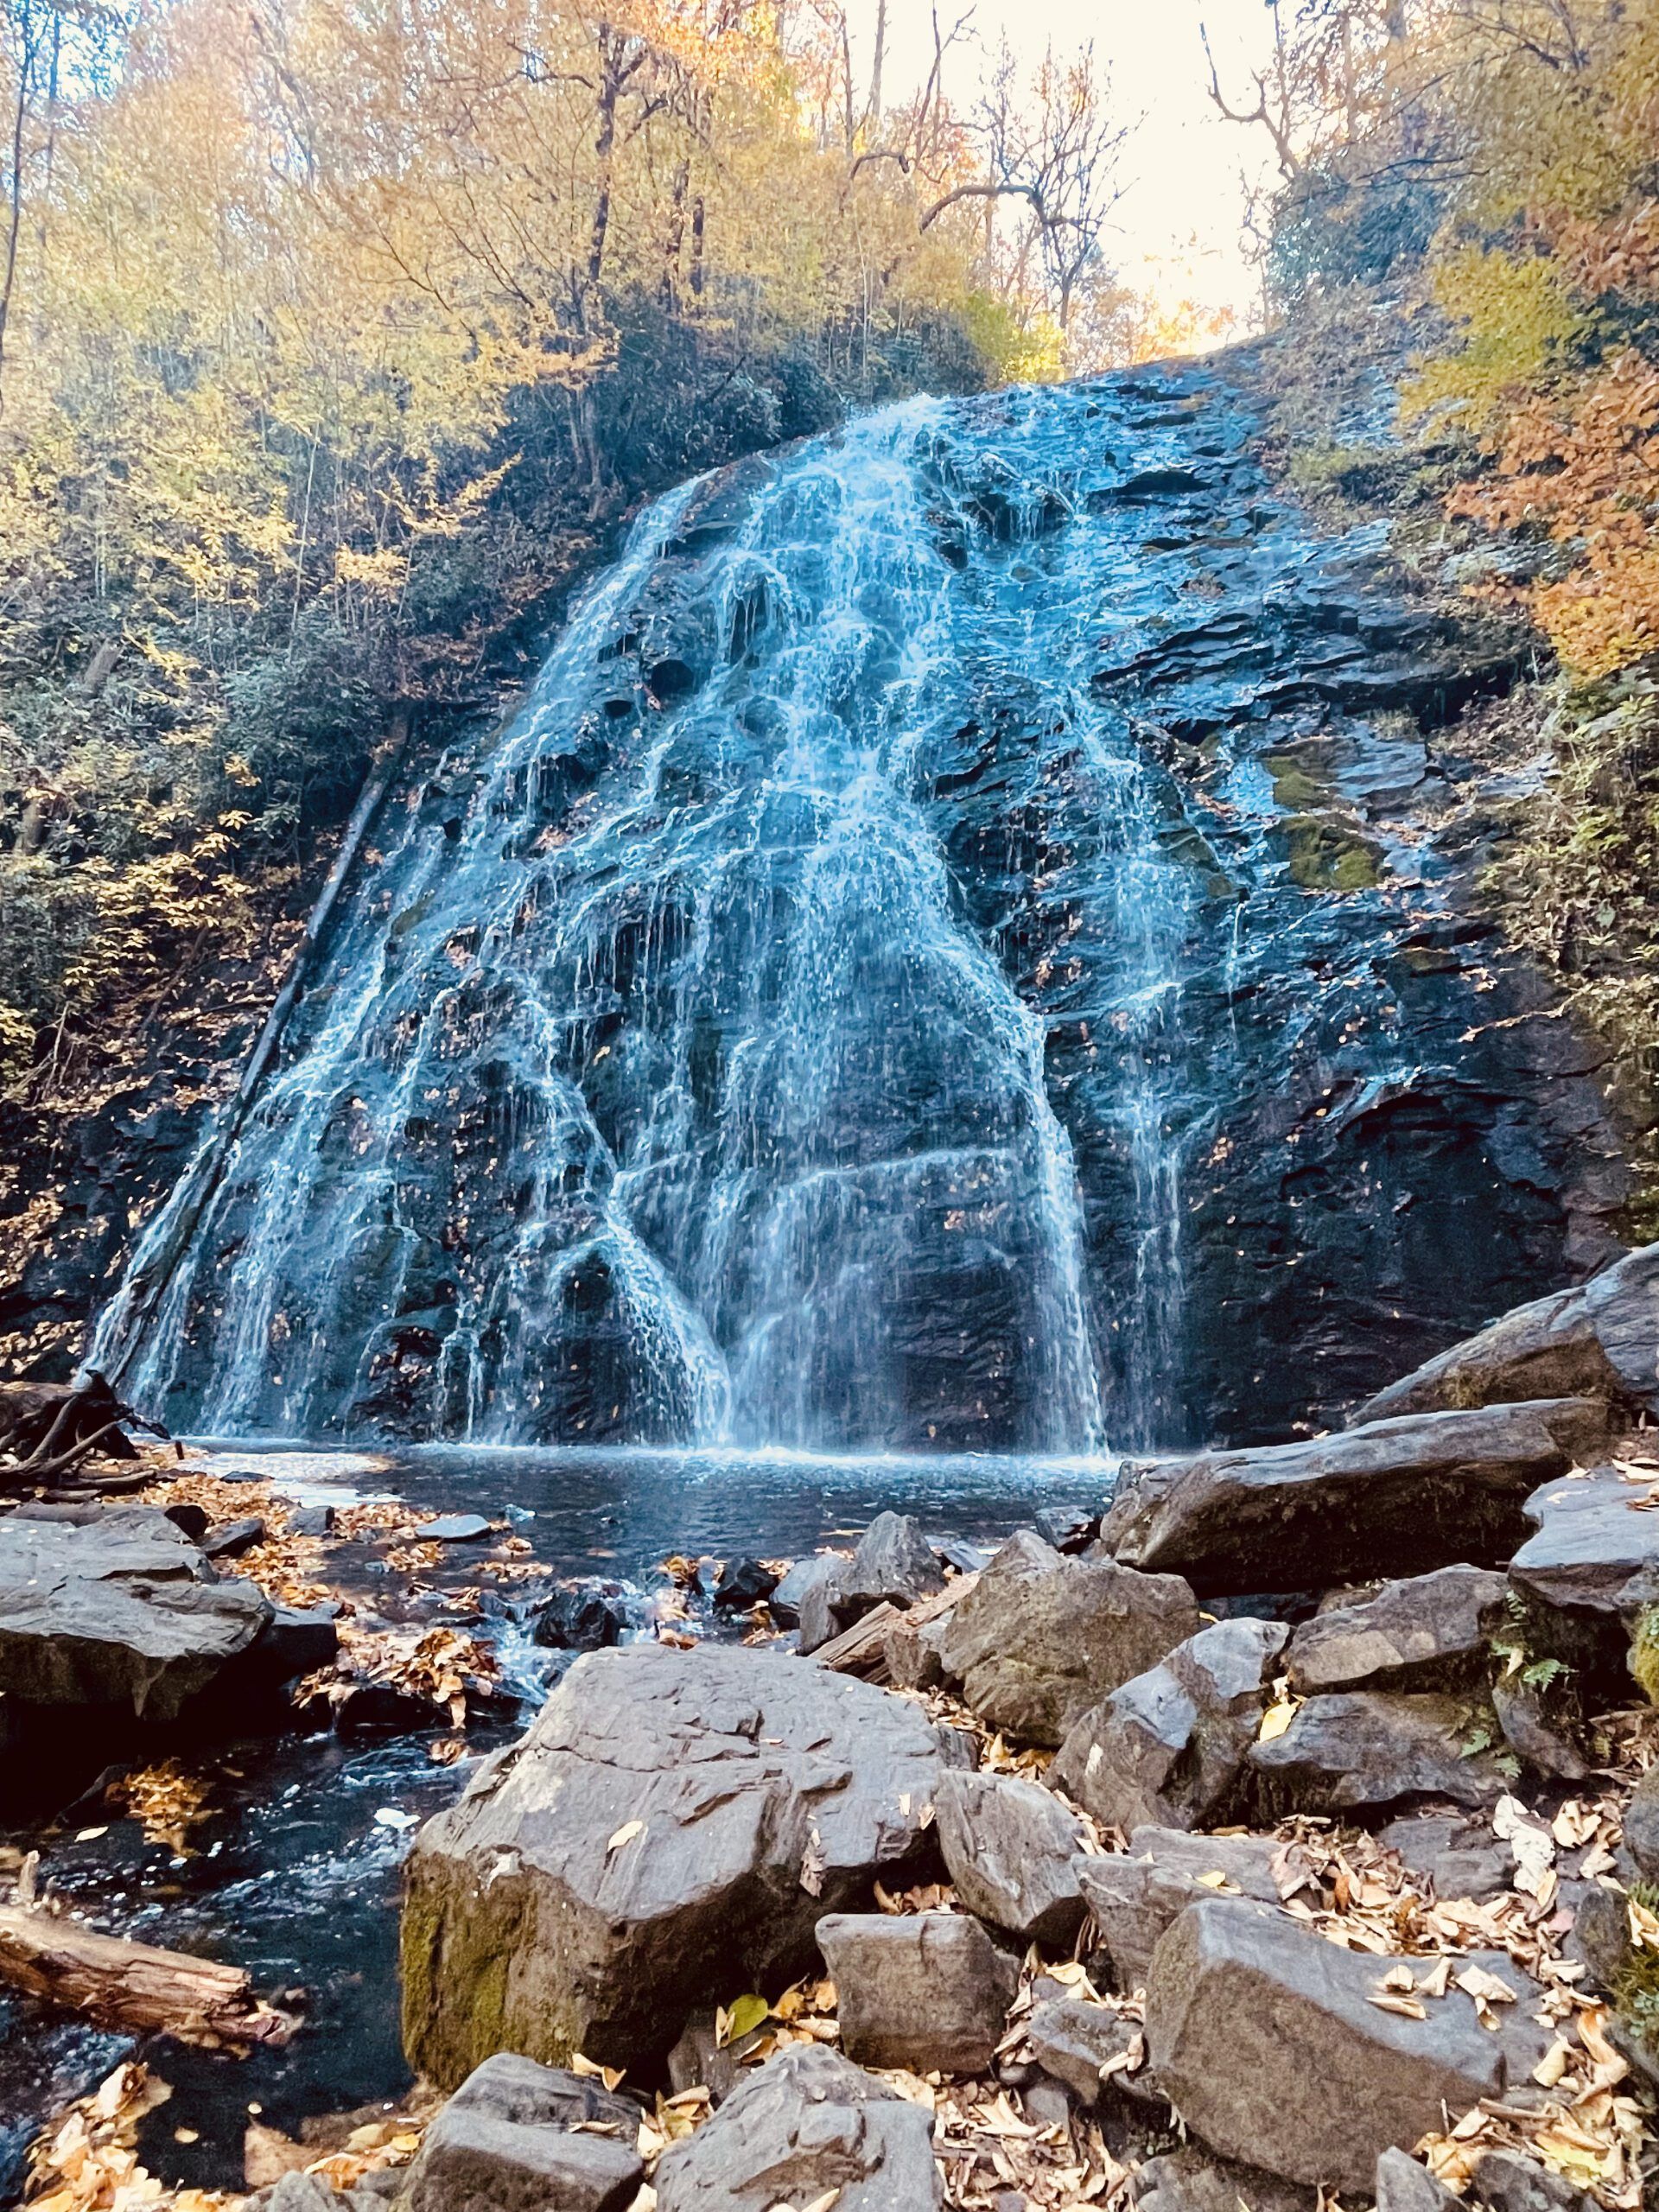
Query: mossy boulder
667	1835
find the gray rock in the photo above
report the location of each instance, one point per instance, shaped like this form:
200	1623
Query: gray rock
892	1565
1075	2041
805	2123
1136	1895
298	2192
1040	1638
1068	1528
1367	1750
310	1520
668	1833
1642	1826
1405	2184
1599	1341
231	1538
1396	1497
1165	1750
912	1651
1591	1554
1453	1856
818	1601
124	1611
1510	2183
1531	1733
504	2144
784	1602
454	1529
1191	2179
1429	1632
1266	2041
921	1990
1009	1846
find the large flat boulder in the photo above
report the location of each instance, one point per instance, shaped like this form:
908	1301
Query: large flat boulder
1428	1632
1600	1340
1041	1637
806	2128
1364	1750
1595	1547
122	1611
1270	2045
669	1832
1396	1497
1165	1750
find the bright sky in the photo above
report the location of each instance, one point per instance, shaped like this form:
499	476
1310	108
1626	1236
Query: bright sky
1181	216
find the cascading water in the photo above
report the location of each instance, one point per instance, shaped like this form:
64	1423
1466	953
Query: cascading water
660	1082
948	957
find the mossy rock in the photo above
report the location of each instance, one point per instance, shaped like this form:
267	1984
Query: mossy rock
1324	857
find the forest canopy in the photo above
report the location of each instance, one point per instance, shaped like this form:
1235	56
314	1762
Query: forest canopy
332	333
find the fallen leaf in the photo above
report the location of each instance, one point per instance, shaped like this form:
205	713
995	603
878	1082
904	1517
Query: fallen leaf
626	1834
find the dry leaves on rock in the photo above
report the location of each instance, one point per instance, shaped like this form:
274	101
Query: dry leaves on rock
88	2163
166	1800
438	1665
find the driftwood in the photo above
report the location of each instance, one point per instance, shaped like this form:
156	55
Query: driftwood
132	1986
862	1649
47	1430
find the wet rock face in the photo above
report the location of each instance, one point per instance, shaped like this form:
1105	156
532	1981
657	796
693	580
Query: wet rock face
965	946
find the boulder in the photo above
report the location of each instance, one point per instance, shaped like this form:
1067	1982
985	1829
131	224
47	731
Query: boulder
743	1583
910	1650
1090	2047
1451	1855
1600	1340
785	1599
892	1565
505	2143
669	1832
1594	1552
1040	1638
1403	2183
1532	1732
923	1990
806	2128
1363	1751
1165	1750
231	1538
121	1611
1009	1846
1396	1497
1192	2179
1136	1895
1508	2182
1268	2042
818	1602
580	1618
455	1529
1426	1633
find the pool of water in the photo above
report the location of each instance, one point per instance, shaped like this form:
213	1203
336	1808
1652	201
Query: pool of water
296	1875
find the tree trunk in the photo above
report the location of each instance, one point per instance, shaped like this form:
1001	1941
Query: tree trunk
133	1987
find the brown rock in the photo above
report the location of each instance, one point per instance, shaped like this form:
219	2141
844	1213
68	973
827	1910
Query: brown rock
921	1990
1041	1637
1428	1632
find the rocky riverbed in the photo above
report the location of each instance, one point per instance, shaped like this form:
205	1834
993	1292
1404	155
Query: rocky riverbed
1269	1827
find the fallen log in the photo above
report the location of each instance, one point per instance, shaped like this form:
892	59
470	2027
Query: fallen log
135	1986
862	1648
49	1429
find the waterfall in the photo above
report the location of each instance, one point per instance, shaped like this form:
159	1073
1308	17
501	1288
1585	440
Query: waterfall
679	1071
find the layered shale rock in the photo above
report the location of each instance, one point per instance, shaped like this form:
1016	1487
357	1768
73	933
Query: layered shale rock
670	1830
1430	1632
1396	1497
1599	1340
1167	1749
